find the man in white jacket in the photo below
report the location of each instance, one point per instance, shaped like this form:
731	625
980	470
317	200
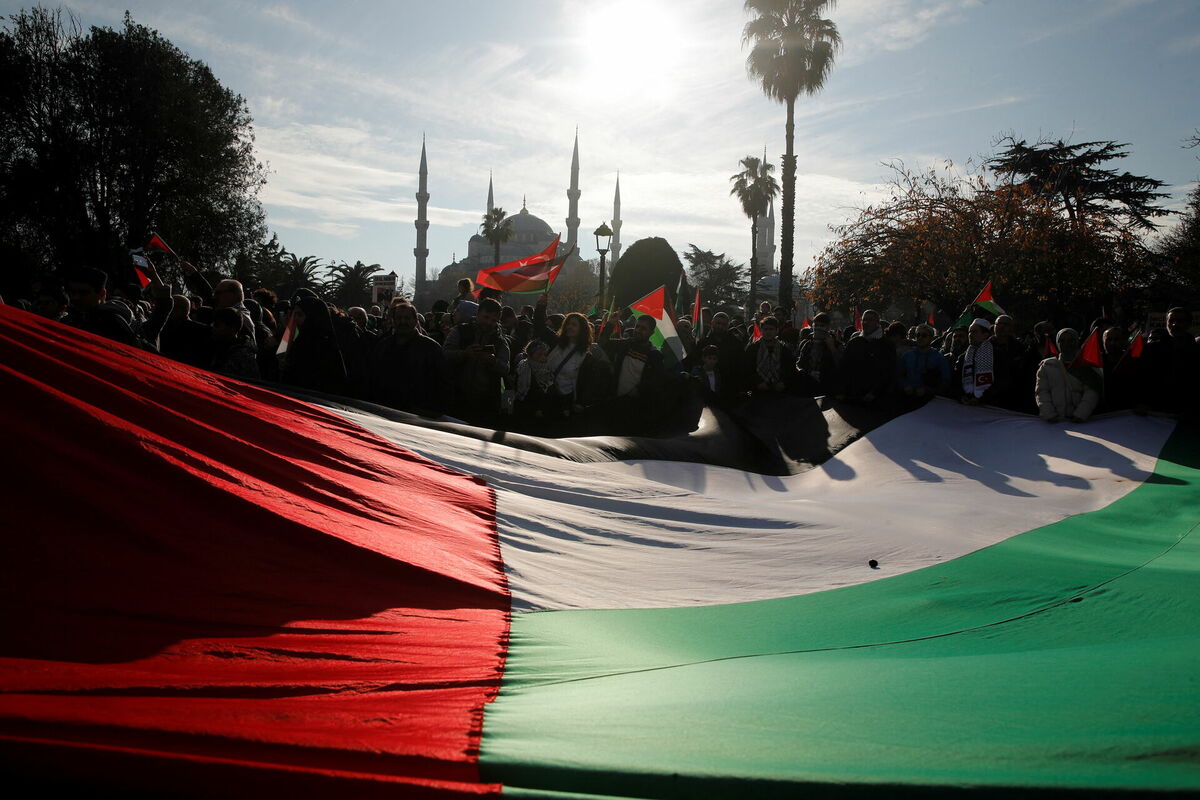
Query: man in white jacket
1060	393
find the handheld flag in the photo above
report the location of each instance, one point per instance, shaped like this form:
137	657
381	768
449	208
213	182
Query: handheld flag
528	275
932	324
857	319
807	323
654	305
756	333
984	302
987	302
141	263
697	318
1090	355
1089	364
156	243
1129	359
289	333
1049	348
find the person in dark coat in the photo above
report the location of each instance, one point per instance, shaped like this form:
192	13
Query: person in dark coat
769	363
87	291
868	368
184	339
406	369
313	360
817	360
1168	371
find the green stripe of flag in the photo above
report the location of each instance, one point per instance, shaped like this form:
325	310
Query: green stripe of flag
1061	658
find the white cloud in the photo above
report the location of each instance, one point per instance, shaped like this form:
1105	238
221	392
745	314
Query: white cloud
869	26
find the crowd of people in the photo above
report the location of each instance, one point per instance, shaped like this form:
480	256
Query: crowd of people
497	366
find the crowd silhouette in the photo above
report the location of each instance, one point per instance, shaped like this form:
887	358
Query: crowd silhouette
472	359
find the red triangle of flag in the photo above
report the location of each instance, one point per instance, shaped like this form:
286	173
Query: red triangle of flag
1049	348
652	303
156	243
1091	354
986	294
1137	346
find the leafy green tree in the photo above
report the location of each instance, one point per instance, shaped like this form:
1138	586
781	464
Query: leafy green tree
721	281
350	285
754	188
109	135
791	53
496	228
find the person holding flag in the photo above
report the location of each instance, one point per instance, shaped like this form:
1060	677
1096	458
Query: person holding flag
1067	383
639	378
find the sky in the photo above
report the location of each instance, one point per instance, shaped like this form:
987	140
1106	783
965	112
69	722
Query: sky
342	93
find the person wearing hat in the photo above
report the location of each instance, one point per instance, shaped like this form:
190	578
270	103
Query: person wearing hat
983	376
1063	391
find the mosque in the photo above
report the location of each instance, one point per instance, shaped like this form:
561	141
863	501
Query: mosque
531	234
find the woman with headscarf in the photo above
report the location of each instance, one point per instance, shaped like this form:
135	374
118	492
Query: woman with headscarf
313	359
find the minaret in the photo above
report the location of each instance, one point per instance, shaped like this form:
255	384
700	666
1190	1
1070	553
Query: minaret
421	251
616	223
573	196
491	204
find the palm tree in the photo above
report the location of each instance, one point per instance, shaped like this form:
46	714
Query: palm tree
301	273
791	53
350	285
496	228
755	187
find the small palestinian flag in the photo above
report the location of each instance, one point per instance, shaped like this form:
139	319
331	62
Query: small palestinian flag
654	305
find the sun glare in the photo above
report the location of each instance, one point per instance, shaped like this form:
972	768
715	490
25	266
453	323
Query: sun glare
633	51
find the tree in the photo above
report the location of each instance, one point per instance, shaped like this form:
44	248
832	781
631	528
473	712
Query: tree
262	266
1072	174
754	187
350	285
646	265
721	282
496	228
110	135
941	235
300	272
1180	248
791	53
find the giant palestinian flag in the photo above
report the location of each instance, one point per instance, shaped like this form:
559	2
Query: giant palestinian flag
212	588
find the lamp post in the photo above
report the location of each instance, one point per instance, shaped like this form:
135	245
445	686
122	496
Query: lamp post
603	238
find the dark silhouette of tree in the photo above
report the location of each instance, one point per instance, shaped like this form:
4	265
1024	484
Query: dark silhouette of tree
722	282
109	135
350	284
300	272
1075	175
754	188
644	266
791	53
941	235
496	228
262	266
